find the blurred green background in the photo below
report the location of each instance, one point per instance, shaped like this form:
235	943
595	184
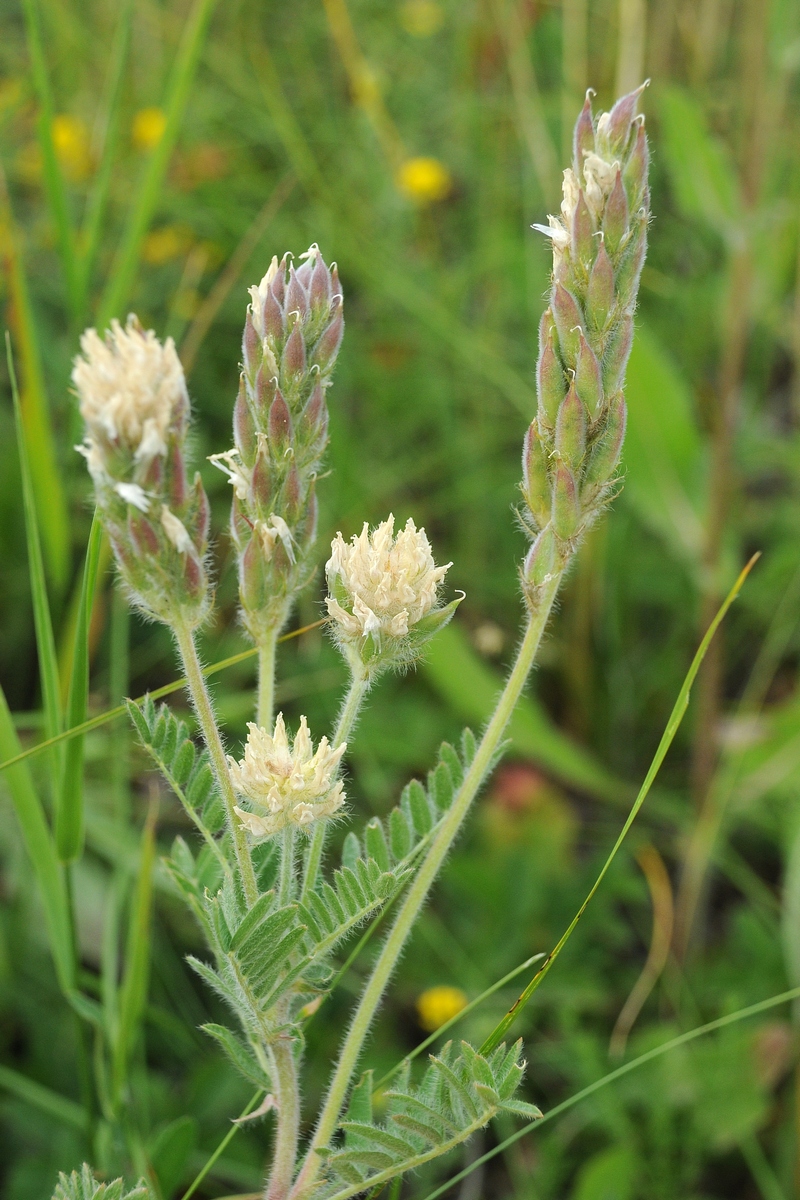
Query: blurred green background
154	156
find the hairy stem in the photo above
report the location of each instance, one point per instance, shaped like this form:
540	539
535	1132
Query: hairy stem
415	897
359	685
287	866
201	700
266	678
288	1098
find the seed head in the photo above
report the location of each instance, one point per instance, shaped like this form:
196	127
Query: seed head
384	592
286	785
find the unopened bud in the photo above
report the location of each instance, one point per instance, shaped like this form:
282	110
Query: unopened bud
583	240
600	292
551	383
589	379
535	476
541	558
615	221
568	320
571	430
566	511
617	353
606	452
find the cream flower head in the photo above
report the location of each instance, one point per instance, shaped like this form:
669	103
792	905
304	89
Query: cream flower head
384	590
132	393
286	785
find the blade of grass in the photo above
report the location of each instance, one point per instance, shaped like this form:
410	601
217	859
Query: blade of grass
133	992
51	505
673	724
437	1033
41	1097
157	694
683	1039
53	179
69	821
41	851
198	1179
45	641
98	196
123	273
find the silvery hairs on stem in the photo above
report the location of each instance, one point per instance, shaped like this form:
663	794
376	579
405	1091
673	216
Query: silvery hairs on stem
135	406
292	335
383	596
573	447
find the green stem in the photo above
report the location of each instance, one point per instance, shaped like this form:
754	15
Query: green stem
417	893
359	686
205	713
266	679
287	866
286	1137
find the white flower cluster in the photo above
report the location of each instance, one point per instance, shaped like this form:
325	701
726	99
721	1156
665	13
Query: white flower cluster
132	391
598	180
382	585
286	785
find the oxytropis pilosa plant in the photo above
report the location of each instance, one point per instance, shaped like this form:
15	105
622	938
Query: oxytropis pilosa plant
273	912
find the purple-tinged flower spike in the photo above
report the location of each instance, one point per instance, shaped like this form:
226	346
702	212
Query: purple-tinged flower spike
573	448
135	406
292	335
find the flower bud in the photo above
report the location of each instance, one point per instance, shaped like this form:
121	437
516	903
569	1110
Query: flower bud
571	430
606	452
566	511
551	384
615	221
568	318
617	353
589	379
293	330
541	558
535	477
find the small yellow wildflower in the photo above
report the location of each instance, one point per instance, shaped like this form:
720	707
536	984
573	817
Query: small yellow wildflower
164	244
71	141
421	18
148	128
439	1004
424	180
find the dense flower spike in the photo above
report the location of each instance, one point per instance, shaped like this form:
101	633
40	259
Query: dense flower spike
573	448
286	785
383	593
134	402
291	339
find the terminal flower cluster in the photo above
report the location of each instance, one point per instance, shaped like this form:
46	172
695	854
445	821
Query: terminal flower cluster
286	785
384	590
135	406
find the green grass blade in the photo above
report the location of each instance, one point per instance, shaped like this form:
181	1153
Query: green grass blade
123	273
471	688
437	1033
51	505
53	179
683	1039
133	992
98	197
41	851
47	1101
676	716
235	1126
69	821
166	690
45	642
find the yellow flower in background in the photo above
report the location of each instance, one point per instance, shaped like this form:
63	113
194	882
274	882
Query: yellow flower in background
72	146
148	128
424	180
439	1004
164	244
421	18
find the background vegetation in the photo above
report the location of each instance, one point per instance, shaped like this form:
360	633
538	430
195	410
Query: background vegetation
154	157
